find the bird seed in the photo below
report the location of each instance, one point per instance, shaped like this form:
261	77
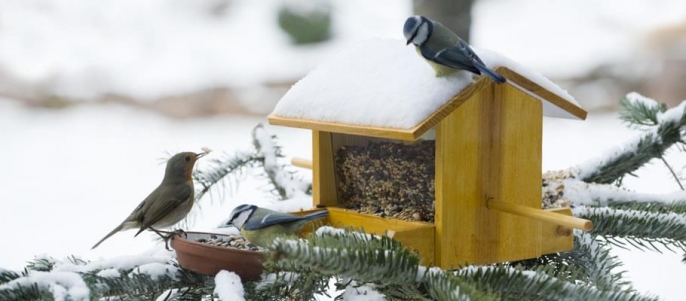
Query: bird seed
388	179
230	241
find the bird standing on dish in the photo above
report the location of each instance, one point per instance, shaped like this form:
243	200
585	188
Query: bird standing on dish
444	50
169	203
260	226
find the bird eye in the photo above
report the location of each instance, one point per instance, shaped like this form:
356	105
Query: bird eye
188	158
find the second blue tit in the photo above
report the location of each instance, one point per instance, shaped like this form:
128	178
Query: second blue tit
443	49
260	226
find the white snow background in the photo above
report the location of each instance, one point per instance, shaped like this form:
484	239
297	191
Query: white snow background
84	48
70	176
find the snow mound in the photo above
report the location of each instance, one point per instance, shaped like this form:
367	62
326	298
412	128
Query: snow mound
384	83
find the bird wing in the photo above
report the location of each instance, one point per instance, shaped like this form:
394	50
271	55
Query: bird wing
272	218
162	202
460	56
475	62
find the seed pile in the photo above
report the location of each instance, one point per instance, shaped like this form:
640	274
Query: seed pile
553	190
230	241
387	179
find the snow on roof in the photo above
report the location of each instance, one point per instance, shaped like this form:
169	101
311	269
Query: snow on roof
384	83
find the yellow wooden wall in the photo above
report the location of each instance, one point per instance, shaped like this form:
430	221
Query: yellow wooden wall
489	147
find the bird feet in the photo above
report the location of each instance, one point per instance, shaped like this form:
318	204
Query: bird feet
167	236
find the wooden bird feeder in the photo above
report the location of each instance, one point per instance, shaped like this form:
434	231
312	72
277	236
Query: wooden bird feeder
488	175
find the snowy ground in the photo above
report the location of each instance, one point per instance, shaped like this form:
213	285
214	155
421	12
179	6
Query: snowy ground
73	175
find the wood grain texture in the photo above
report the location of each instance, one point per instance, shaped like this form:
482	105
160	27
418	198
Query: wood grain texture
324	188
541	215
490	147
543	93
391	133
416	236
552	239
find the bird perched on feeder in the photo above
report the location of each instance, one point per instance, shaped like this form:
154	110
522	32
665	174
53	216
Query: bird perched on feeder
260	226
169	203
444	50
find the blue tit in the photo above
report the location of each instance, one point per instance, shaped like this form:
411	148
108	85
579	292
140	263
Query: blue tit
444	50
260	226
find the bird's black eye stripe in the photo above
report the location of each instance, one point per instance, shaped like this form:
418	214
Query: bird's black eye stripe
188	158
414	34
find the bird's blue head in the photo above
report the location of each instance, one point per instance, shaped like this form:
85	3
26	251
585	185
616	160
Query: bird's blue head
240	215
417	30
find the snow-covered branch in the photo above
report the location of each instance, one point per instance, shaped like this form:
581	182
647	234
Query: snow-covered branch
642	229
592	194
517	284
665	131
74	279
285	182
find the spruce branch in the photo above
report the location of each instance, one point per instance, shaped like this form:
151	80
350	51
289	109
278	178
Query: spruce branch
678	206
664	132
638	110
7	275
642	229
76	280
228	170
368	259
285	183
588	262
516	284
303	285
592	194
672	172
225	170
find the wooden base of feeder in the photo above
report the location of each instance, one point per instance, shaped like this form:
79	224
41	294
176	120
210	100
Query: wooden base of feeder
420	236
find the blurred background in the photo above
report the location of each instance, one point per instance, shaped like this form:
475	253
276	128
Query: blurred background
94	93
189	58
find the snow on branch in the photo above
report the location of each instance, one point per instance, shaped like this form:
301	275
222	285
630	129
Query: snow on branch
641	229
596	261
664	130
513	283
365	292
285	182
75	279
351	257
228	286
266	152
640	110
60	285
591	194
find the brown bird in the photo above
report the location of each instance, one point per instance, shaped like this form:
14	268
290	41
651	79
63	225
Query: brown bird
169	203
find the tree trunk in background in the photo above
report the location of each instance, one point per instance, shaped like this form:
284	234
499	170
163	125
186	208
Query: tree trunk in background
454	14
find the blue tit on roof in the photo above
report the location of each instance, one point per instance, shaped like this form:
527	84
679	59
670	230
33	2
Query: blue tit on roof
444	50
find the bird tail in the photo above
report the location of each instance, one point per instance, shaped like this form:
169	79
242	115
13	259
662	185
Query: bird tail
117	229
490	73
316	215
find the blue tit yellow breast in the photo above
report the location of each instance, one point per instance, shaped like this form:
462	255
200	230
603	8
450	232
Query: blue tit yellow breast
265	237
439	69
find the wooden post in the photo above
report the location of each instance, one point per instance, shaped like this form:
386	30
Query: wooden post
324	191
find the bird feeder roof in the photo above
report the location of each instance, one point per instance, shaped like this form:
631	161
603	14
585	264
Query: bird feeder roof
382	88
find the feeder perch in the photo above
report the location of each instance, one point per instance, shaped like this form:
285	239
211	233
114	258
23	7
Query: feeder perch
488	140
